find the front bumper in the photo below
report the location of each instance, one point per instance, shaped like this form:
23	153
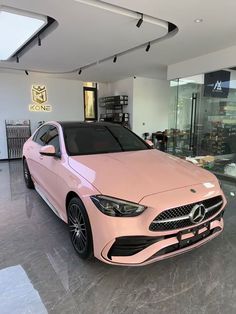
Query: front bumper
129	241
162	247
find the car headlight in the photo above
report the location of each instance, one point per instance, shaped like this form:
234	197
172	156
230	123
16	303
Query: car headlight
117	208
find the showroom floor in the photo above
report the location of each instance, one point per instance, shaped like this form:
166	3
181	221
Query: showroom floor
40	272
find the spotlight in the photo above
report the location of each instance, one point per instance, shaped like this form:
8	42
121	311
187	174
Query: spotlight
148	47
17	59
115	59
198	20
140	21
26	72
80	71
39	41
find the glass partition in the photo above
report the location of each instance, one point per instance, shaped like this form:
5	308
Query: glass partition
203	123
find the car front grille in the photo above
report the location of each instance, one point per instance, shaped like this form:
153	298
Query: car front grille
177	218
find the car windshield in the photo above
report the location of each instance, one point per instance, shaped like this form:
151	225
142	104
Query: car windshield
100	139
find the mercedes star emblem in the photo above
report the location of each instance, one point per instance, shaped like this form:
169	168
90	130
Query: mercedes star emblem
197	214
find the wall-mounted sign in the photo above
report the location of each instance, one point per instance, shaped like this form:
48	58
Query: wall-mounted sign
45	108
39	97
216	84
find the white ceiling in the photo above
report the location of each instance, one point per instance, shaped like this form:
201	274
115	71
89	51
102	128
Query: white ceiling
86	34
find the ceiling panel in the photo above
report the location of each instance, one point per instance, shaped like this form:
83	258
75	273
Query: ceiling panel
84	34
87	34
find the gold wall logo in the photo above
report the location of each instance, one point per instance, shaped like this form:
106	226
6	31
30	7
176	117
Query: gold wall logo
39	94
39	97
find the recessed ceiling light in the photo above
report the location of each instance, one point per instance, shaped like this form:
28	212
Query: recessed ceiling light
198	20
16	29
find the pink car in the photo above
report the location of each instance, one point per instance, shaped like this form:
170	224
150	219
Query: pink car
124	202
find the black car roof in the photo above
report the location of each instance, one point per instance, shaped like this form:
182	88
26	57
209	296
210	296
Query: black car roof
83	123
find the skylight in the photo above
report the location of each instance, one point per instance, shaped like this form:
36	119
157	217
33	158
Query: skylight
16	29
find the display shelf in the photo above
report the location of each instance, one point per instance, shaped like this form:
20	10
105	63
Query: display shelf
17	133
113	101
112	109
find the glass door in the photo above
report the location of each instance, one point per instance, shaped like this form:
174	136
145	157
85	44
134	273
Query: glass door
185	118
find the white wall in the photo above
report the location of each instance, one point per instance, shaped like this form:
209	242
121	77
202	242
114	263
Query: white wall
221	59
150	105
65	97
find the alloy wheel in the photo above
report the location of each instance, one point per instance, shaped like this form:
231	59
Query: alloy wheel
26	173
28	180
77	228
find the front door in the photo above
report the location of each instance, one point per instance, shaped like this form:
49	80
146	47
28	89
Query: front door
53	184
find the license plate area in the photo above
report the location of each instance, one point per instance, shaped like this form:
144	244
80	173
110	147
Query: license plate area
195	234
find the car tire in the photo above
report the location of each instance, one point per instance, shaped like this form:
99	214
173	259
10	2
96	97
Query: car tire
27	176
79	228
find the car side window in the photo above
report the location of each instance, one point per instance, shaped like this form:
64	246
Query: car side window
53	138
41	136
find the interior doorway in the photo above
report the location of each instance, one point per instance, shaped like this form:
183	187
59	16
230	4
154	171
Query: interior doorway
90	102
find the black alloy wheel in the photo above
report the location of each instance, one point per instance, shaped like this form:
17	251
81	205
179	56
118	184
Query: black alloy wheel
28	180
79	228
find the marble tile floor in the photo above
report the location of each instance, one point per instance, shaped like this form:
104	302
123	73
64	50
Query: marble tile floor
40	272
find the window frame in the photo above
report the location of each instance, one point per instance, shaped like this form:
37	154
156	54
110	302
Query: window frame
54	126
37	132
34	139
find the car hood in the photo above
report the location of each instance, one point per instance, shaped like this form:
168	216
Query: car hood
134	175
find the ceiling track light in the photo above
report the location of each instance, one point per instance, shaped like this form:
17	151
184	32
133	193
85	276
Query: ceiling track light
39	41
115	59
17	59
26	72
148	47
140	21
80	71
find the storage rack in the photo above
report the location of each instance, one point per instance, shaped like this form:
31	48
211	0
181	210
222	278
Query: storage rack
113	109
17	133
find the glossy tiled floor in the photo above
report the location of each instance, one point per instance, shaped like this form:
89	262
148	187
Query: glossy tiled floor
40	273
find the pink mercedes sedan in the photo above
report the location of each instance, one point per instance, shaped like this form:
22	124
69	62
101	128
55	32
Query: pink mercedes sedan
124	202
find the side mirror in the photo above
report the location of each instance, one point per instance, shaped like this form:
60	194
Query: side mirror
150	143
48	150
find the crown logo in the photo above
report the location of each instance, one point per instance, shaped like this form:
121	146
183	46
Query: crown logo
39	94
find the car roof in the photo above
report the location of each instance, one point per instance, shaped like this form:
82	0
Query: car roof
66	124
